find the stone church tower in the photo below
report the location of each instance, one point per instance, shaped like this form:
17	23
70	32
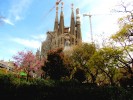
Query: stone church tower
63	36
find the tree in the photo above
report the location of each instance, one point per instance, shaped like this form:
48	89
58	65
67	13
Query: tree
54	66
80	56
106	60
80	75
68	62
28	62
123	39
125	7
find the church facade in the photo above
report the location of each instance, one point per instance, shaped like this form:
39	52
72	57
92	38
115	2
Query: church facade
61	36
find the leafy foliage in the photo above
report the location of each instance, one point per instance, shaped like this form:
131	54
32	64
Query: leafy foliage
123	39
80	56
28	62
80	75
66	90
106	60
54	67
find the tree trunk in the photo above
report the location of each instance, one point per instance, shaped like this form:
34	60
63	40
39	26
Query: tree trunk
111	81
93	78
27	79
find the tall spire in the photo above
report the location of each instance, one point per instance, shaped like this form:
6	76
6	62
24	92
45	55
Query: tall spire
72	25
78	32
61	26
56	18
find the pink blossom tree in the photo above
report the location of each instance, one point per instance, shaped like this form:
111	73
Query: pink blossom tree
28	62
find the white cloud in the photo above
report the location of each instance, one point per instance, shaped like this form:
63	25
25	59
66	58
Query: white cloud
18	8
27	43
39	37
17	18
7	21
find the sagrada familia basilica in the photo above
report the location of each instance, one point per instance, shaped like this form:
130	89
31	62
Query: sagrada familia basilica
62	36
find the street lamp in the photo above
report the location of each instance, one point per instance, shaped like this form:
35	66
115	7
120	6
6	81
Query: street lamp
90	25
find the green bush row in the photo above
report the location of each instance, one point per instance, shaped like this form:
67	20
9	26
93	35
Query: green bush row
39	89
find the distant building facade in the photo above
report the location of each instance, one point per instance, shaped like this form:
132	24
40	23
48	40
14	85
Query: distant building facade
61	36
7	65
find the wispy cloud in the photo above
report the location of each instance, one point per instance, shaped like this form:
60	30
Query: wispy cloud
30	43
40	37
7	21
18	9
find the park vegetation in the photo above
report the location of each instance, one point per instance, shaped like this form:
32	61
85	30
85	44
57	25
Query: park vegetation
84	71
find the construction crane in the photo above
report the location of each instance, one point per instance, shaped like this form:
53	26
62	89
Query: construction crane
90	22
57	3
90	25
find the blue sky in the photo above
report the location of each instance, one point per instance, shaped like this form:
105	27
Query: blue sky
25	22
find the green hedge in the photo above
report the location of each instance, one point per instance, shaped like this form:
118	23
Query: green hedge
39	89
